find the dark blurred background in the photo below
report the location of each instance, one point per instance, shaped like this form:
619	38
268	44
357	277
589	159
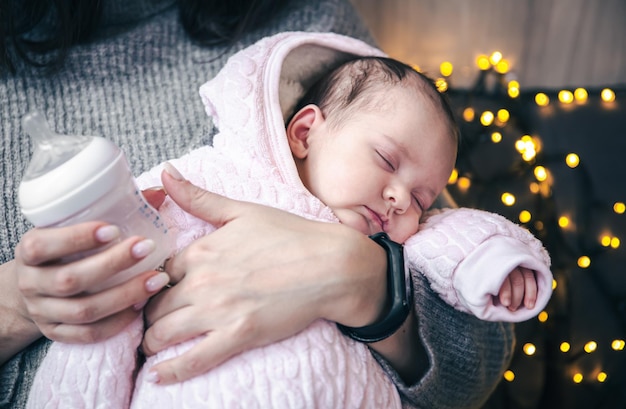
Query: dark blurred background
539	88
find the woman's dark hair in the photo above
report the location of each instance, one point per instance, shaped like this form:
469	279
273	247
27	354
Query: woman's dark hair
225	21
41	32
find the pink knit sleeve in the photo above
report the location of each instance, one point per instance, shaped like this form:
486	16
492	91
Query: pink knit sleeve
466	254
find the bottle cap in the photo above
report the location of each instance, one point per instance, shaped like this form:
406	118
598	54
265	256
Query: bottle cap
67	173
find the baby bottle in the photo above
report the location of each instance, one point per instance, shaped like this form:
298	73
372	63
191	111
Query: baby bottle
73	179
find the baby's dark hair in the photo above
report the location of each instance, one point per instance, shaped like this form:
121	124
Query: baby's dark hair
346	89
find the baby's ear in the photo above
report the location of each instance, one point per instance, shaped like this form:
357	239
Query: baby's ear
299	129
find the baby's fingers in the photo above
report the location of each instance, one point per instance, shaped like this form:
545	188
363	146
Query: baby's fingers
518	287
530	287
504	295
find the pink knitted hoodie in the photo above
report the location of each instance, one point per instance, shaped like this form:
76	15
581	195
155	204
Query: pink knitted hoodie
466	254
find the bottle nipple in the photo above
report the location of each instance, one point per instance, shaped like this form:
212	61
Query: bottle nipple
50	149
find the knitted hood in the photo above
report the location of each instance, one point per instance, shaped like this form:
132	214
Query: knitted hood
259	87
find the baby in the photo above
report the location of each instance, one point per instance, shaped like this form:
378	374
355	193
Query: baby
370	145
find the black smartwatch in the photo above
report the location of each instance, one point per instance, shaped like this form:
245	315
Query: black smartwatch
399	293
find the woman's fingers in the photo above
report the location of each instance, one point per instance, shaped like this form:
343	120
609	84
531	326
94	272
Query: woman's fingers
211	207
39	246
212	350
93	317
160	335
85	334
63	280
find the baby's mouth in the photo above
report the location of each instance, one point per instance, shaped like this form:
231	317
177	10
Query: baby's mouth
376	219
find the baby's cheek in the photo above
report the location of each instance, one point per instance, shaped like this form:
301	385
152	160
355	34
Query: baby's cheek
404	230
353	220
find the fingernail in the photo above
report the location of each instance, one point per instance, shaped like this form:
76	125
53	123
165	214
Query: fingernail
157	282
157	189
140	305
107	233
172	171
143	248
152	377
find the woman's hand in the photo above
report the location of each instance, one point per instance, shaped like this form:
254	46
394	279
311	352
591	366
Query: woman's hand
54	293
263	276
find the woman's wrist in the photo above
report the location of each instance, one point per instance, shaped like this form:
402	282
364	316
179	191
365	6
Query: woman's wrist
17	330
405	351
358	266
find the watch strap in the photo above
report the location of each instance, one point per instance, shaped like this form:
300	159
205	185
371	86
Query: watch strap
400	297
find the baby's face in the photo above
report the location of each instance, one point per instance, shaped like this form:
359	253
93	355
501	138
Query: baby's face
381	170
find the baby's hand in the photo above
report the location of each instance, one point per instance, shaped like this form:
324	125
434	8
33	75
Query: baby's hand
519	289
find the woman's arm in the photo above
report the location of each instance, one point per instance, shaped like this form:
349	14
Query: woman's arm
16	330
267	287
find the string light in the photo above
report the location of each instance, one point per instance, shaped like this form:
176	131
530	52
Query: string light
529	348
618	344
615	242
482	61
540	179
525	216
534	188
464	183
607	95
581	95
513	89
441	84
584	262
566	97
540	173
446	68
572	160
502	67
495	57
527	147
508	199
503	116
469	114
542	99
486	118
590	347
454	176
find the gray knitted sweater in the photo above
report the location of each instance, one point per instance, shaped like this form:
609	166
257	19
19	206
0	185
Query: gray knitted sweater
137	84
